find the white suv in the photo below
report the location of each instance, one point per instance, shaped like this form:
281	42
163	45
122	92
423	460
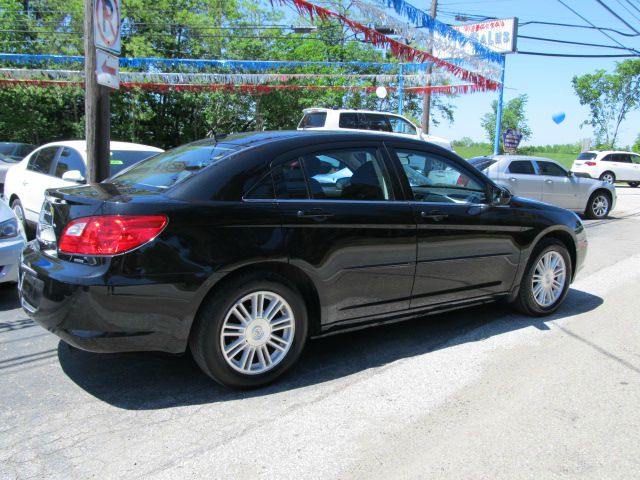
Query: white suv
609	166
358	120
59	164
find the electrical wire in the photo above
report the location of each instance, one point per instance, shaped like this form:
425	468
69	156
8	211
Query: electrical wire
599	29
599	45
612	12
571	25
628	10
570	55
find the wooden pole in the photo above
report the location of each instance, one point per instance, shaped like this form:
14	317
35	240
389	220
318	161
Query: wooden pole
426	99
96	107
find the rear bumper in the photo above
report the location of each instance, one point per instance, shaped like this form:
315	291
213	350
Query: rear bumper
80	304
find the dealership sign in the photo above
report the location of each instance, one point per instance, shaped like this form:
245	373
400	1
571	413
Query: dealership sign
498	35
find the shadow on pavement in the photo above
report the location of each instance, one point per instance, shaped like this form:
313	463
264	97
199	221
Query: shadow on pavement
144	381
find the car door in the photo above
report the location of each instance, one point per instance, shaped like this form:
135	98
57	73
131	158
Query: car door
351	233
519	176
68	160
635	159
36	179
558	186
467	248
625	170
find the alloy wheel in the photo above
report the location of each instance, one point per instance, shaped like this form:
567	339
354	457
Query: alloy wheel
548	279
608	178
257	332
600	206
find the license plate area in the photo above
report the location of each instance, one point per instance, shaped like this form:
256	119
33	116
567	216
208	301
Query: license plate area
31	289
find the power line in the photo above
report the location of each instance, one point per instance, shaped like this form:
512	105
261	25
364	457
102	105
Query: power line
571	25
612	12
599	29
569	55
633	6
628	10
599	45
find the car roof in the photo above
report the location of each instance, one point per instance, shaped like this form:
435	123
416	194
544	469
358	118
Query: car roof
348	110
520	157
81	145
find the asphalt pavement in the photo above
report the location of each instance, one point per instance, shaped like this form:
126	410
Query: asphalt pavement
473	394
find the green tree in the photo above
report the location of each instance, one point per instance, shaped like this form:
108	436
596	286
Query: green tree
513	118
610	97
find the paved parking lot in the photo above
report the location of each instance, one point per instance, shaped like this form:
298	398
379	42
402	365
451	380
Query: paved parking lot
480	393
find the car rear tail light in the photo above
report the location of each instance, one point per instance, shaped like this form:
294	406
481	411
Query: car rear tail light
110	234
463	181
590	164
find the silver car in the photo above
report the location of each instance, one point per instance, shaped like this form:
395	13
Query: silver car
546	180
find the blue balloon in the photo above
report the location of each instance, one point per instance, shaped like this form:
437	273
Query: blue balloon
558	117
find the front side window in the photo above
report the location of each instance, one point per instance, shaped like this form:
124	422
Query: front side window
400	125
70	159
551	169
42	161
433	178
635	158
522	167
349	174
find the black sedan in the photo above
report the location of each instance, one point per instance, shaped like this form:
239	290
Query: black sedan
241	248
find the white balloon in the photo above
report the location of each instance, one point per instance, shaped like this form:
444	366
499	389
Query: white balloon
381	92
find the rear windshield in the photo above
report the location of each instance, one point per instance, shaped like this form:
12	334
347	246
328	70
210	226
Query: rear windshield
169	168
313	120
587	156
482	163
121	159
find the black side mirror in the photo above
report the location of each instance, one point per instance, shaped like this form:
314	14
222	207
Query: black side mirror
499	195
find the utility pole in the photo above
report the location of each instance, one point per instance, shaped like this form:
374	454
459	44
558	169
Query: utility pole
96	106
426	99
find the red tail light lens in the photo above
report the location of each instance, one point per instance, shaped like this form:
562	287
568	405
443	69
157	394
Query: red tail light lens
590	164
462	181
110	234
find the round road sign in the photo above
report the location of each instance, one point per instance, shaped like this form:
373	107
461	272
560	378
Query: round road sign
107	23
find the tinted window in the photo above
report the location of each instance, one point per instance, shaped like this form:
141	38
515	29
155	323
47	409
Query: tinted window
552	169
121	159
635	158
482	163
371	121
169	168
522	167
69	159
350	174
42	161
7	148
311	120
587	156
348	120
608	158
263	190
433	178
399	125
25	150
622	158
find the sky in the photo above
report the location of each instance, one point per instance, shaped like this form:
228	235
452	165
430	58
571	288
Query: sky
546	80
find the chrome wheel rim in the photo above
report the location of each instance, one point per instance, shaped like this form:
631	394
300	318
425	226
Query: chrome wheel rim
600	206
257	332
549	278
608	178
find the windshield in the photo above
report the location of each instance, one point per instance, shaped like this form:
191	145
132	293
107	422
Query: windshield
587	156
7	148
169	168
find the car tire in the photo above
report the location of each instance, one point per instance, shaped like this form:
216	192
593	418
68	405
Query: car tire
634	184
538	294
608	177
599	205
18	210
236	352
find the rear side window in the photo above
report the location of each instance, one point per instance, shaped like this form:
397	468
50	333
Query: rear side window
348	120
69	159
313	120
608	158
622	158
290	181
523	167
550	168
482	163
42	161
371	121
587	156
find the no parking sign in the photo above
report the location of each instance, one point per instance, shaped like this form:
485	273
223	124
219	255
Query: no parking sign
106	25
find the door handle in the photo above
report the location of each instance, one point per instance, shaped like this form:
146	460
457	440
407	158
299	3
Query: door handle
25	183
511	179
435	215
316	213
549	181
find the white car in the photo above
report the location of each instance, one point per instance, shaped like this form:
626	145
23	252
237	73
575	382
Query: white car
367	120
546	180
59	164
12	242
609	166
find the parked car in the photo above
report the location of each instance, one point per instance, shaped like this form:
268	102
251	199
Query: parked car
5	164
16	151
232	249
12	242
609	166
367	120
546	180
60	164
